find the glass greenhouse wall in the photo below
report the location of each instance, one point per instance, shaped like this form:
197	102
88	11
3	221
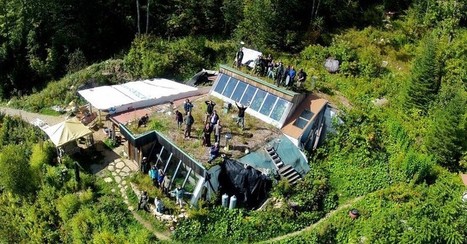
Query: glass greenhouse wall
262	104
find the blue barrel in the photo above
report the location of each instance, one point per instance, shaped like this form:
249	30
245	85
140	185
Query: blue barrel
233	202
225	200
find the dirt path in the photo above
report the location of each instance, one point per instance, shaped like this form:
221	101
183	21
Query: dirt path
30	117
330	214
161	236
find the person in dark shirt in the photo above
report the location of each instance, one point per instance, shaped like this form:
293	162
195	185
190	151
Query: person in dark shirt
143	201
239	58
214	152
189	120
187	106
207	135
210	106
301	78
179	118
241	115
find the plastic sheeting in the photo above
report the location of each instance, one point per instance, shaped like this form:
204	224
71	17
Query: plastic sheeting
136	94
249	185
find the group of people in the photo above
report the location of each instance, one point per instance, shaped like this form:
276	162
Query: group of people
212	124
162	181
144	199
282	75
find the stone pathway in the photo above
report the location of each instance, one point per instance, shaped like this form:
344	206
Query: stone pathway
119	170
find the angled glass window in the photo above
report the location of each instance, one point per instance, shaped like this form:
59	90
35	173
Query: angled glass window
230	87
279	109
248	95
258	100
300	123
303	119
306	114
268	104
221	84
237	94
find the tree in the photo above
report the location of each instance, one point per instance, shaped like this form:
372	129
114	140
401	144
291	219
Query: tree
424	81
15	172
446	137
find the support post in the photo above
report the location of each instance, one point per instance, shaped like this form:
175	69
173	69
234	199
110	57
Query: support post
168	162
186	178
175	174
159	156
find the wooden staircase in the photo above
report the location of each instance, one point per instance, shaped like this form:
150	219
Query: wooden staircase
285	171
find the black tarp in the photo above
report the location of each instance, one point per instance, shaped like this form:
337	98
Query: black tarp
200	78
249	185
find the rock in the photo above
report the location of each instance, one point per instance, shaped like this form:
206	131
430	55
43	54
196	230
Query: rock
131	208
108	179
114	174
113	190
118	179
124	182
120	165
166	217
126	169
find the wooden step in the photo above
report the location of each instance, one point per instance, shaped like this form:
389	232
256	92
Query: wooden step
280	164
289	172
295	181
294	178
277	160
283	169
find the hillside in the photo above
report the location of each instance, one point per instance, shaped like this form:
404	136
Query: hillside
400	90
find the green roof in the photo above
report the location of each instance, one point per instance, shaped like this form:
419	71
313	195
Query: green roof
256	79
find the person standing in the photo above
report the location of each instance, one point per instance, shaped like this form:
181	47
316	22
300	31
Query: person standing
210	106
213	119
143	201
154	175
301	78
279	73
239	58
179	119
187	106
144	165
217	132
207	134
189	120
166	184
292	74
161	177
241	115
159	205
179	193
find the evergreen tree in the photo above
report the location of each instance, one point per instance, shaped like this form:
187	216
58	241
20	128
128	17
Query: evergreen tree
446	138
424	81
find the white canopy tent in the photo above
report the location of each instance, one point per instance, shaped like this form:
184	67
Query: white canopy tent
67	131
136	94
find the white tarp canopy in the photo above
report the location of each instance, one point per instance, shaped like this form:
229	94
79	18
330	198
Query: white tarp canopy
67	131
136	94
249	56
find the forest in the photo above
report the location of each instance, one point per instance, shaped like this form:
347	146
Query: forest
400	91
